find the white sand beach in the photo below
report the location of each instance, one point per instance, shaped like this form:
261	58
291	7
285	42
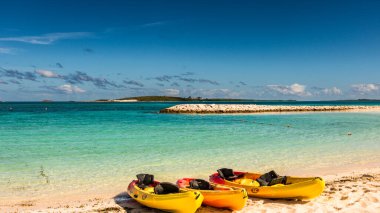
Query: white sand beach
344	192
254	108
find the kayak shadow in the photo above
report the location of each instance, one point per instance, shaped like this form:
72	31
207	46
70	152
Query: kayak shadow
278	201
131	206
209	209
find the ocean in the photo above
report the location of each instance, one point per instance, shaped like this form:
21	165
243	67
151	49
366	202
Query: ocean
60	148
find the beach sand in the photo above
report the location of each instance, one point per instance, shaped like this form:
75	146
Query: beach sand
344	192
254	108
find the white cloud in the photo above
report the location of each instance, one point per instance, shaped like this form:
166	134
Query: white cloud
365	88
212	93
6	50
47	38
171	92
297	88
47	73
69	89
154	24
294	89
332	91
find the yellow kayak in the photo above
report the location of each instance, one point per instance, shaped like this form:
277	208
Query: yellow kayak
216	195
303	188
164	196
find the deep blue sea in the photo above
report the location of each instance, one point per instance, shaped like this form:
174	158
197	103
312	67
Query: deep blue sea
50	148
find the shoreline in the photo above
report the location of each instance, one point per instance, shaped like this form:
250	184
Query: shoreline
261	109
350	190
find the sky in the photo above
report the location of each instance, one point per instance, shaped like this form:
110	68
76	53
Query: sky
260	49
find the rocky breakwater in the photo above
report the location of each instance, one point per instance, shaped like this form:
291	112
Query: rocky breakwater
254	108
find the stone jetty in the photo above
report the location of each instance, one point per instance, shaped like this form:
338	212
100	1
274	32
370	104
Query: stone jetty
254	108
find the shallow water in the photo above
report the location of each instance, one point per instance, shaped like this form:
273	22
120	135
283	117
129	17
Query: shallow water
74	147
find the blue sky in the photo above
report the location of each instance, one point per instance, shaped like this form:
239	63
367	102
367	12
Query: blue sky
86	50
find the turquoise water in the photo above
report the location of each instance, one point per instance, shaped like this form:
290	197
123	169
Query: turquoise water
49	148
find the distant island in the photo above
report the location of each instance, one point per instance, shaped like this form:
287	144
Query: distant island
200	99
174	99
195	99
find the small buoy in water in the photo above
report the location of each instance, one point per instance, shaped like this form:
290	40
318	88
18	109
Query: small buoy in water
10	108
45	108
349	133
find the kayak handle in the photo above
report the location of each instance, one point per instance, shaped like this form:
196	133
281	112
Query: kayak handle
196	198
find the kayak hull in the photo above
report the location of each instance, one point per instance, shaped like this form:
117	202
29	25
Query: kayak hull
221	197
182	202
295	188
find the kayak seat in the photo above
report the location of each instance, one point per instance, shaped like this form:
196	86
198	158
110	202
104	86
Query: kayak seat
227	174
144	180
271	178
279	180
165	188
200	184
